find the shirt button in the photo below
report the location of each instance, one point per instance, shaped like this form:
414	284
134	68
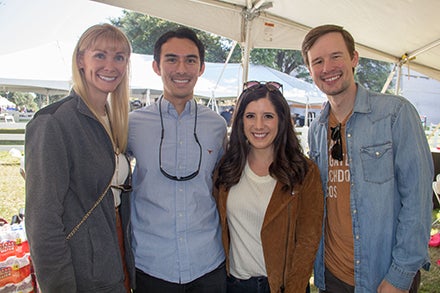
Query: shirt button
358	262
349	135
357	237
377	154
354	211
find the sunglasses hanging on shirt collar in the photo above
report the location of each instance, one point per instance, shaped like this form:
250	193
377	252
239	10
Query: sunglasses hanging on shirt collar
336	150
166	174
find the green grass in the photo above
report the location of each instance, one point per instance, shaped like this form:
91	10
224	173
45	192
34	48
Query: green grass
11	131
431	279
11	142
12	197
12	194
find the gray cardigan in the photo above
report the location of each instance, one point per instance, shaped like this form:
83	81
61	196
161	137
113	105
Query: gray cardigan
69	163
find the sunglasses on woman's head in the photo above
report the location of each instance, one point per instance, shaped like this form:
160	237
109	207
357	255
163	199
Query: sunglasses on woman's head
270	85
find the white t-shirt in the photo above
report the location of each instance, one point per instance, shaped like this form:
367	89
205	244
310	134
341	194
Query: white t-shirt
246	207
121	170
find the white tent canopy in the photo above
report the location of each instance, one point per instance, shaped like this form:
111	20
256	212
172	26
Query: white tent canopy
44	69
5	103
398	31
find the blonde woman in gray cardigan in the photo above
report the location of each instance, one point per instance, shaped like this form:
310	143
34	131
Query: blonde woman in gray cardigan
76	174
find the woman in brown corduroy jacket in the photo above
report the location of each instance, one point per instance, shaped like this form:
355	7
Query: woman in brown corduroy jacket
269	196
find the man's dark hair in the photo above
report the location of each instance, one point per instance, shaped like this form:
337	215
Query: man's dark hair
180	33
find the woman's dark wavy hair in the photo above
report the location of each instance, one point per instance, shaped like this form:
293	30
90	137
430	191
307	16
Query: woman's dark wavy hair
290	164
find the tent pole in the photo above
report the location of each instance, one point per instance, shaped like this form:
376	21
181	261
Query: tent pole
306	116
389	79
234	43
398	77
413	54
148	101
250	12
246	51
213	103
47	97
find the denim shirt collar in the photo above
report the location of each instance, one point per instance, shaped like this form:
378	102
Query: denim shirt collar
362	104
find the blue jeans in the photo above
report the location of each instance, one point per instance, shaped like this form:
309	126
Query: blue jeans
334	285
252	285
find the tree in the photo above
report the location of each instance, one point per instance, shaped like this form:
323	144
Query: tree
21	100
283	60
287	61
372	73
143	31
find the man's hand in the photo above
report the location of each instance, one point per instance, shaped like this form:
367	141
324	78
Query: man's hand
386	287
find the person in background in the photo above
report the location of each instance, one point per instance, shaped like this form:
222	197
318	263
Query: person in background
269	197
77	201
176	144
227	115
377	171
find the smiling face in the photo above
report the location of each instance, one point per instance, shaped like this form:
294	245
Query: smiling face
260	123
104	66
330	64
179	67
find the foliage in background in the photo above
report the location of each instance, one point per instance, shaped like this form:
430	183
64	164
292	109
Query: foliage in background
143	31
373	74
21	100
31	101
285	61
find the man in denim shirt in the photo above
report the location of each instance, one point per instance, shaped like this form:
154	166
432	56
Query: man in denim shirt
376	169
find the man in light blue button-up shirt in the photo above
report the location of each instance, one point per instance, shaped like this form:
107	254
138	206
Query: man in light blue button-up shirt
176	144
376	169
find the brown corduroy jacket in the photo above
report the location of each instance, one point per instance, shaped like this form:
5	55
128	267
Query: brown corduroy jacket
290	233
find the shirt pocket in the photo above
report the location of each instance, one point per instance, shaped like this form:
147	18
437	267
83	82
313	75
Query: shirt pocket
377	163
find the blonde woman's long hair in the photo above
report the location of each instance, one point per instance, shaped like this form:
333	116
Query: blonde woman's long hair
120	98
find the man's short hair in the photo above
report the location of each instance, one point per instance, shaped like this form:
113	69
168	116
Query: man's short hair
317	32
180	33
